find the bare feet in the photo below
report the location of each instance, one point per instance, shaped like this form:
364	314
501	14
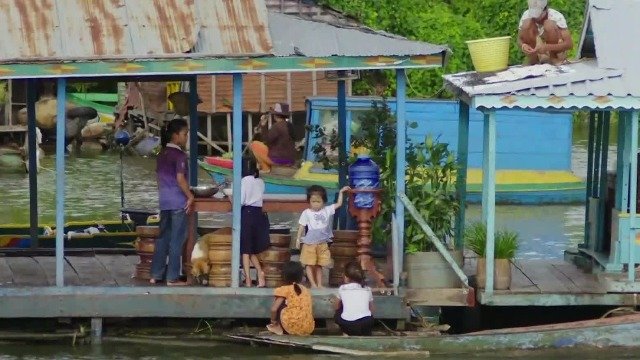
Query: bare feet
154	281
275	328
262	282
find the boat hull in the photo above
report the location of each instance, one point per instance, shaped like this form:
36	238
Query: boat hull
519	192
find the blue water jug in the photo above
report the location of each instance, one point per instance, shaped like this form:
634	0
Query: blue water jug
364	173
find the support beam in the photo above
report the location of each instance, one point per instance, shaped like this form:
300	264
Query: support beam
463	164
193	131
401	160
622	180
96	331
33	161
489	193
342	153
589	185
60	179
633	196
605	119
237	176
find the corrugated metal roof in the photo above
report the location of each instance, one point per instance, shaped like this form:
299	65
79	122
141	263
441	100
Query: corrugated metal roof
309	9
103	29
293	35
614	72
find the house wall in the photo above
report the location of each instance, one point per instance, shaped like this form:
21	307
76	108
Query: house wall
530	140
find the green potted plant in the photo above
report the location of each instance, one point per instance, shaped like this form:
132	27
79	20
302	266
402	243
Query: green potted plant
506	245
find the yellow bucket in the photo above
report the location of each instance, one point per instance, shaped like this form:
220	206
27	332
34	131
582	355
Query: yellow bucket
490	54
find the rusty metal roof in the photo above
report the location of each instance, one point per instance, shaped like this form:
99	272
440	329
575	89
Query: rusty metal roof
107	29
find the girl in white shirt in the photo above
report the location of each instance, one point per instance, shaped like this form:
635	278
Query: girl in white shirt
254	224
354	303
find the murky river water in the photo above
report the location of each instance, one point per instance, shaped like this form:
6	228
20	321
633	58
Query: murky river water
156	352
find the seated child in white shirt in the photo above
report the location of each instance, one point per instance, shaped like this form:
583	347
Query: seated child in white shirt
354	304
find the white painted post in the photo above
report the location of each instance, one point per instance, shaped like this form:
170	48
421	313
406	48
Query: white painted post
401	137
237	174
489	192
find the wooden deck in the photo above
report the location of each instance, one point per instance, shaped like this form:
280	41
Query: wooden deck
103	286
550	283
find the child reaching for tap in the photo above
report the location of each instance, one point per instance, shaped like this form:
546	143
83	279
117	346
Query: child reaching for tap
316	219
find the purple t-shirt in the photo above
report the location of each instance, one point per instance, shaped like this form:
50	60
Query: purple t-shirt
171	161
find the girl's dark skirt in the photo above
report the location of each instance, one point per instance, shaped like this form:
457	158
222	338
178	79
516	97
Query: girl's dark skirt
254	230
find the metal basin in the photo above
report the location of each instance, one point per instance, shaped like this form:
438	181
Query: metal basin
203	191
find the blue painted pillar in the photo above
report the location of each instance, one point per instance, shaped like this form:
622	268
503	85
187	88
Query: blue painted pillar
33	162
622	171
489	192
342	150
60	179
633	173
401	161
589	187
605	118
463	164
193	132
237	177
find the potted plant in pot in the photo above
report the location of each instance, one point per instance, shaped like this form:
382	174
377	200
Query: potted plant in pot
506	245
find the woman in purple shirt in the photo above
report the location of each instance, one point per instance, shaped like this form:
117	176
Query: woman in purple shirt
175	203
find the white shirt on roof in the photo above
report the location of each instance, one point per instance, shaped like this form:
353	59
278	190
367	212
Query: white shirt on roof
553	15
251	191
355	301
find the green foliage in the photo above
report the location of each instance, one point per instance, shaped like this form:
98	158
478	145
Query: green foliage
506	241
430	169
319	149
450	22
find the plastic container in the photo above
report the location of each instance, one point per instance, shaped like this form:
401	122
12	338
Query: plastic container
489	55
364	173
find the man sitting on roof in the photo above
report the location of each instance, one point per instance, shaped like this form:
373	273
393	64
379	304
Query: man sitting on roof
543	34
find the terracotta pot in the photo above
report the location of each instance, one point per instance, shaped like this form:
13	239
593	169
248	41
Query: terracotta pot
343	250
148	231
280	240
501	277
218	256
145	246
221	237
275	255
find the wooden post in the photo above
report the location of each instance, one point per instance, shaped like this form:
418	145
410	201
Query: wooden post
633	196
237	174
96	331
401	163
33	161
193	131
314	83
60	179
463	164
289	97
489	193
229	135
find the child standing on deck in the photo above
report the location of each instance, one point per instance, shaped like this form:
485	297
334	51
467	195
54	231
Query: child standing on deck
175	203
254	229
292	311
315	244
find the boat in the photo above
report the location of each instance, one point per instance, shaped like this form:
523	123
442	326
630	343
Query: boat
539	173
78	234
620	331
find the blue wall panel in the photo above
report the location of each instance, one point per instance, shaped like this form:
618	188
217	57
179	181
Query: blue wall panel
525	139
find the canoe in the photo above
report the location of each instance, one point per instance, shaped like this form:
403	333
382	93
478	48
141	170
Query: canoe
607	332
512	186
113	234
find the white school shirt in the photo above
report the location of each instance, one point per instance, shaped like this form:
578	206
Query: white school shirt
252	191
355	301
318	225
553	15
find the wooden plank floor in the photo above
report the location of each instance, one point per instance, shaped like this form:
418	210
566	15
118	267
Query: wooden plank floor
528	277
545	277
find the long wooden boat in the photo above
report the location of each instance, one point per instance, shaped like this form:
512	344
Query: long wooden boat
112	234
608	332
512	186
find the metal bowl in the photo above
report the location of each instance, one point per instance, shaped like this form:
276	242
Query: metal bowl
203	191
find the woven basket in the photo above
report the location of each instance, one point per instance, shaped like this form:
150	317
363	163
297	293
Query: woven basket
491	54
